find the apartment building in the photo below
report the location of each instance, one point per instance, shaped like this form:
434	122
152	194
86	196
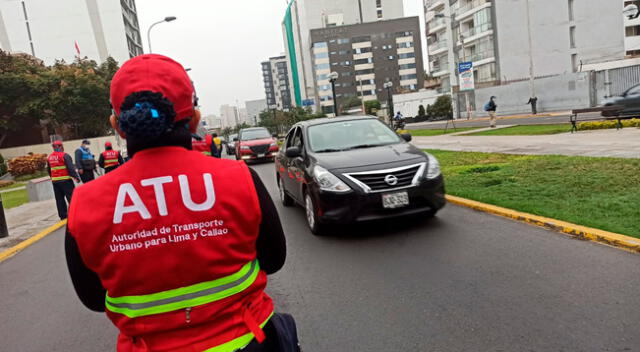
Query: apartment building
70	28
302	16
275	75
495	36
365	57
254	108
631	32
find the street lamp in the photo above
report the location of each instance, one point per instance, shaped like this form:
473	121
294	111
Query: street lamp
387	86
333	77
631	11
166	19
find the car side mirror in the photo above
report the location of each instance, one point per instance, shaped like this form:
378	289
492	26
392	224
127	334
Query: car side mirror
293	152
406	136
235	139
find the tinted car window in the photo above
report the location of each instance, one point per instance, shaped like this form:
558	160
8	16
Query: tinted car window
297	139
344	135
289	139
634	91
255	134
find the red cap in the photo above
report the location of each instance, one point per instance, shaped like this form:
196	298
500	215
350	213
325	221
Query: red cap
57	143
158	74
107	144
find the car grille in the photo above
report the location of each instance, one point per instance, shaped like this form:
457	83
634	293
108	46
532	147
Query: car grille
260	149
375	181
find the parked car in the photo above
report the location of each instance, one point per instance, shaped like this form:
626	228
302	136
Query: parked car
630	99
255	144
231	145
351	169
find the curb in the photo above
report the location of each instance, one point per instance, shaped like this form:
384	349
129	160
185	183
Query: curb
627	243
31	240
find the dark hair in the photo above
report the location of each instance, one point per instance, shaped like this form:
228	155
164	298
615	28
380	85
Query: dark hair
147	120
214	135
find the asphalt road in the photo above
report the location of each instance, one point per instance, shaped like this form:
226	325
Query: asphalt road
464	281
541	120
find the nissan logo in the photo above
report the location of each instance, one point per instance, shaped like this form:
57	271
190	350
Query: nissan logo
391	180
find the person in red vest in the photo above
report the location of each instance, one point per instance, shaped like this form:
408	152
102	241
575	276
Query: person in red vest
175	246
202	145
110	159
62	173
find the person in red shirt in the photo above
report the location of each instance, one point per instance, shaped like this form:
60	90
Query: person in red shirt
62	172
110	159
174	246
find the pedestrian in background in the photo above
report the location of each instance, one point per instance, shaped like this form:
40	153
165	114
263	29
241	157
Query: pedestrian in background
534	105
110	159
202	145
62	172
216	146
491	108
85	162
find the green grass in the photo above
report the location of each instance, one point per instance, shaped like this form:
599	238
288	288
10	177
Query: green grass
603	193
429	133
14	199
525	130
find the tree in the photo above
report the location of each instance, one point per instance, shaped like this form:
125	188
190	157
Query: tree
226	132
349	103
441	109
20	77
421	111
370	105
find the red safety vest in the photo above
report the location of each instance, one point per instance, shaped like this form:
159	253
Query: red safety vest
175	248
59	170
110	158
203	146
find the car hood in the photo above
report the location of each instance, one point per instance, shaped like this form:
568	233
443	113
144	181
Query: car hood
369	157
613	100
257	142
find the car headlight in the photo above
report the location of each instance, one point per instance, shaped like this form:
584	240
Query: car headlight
244	147
433	167
328	181
274	144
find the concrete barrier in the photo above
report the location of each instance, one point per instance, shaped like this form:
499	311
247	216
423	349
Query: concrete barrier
40	189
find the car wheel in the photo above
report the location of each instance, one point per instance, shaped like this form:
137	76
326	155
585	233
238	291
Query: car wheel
286	200
311	214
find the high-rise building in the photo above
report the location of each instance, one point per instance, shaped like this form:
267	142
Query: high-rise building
631	32
275	76
304	15
495	36
365	57
254	108
229	116
66	29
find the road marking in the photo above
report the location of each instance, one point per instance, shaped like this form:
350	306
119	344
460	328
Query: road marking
31	240
609	238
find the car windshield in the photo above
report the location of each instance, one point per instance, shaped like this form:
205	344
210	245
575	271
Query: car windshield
255	134
345	135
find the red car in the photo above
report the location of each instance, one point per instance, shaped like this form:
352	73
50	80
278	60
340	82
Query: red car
255	144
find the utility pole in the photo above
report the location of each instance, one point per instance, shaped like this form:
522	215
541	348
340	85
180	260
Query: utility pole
532	87
362	97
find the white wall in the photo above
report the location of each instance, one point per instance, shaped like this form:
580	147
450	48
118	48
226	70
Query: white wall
409	103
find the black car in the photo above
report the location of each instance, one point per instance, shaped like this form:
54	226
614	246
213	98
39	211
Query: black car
352	169
630	100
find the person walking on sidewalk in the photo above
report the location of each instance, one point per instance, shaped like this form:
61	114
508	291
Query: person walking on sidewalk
85	162
62	172
491	108
110	159
534	105
176	246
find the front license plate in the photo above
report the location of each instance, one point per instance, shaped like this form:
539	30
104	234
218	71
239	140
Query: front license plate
261	155
395	200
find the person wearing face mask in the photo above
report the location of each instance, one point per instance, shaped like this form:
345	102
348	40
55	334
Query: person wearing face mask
62	172
85	162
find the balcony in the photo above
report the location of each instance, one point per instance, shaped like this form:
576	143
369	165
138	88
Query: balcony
439	70
436	24
476	31
434	4
466	10
480	56
438	47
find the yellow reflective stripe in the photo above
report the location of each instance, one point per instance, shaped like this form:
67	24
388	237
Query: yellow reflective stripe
190	296
60	178
111	160
239	342
58	168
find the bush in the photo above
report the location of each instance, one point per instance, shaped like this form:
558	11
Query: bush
370	105
3	166
5	183
421	111
600	125
441	109
28	164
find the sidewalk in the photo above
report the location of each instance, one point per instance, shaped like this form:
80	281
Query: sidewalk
27	220
624	143
485	117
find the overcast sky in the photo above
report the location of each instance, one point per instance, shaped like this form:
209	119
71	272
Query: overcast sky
223	42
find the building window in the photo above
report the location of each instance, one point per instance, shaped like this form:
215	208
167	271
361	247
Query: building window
574	62
633	53
407	77
361	50
320	45
363	61
632	31
406	55
361	39
364	72
322	77
405	45
571	10
343	41
322	55
391	57
407	66
572	36
322	66
379	13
